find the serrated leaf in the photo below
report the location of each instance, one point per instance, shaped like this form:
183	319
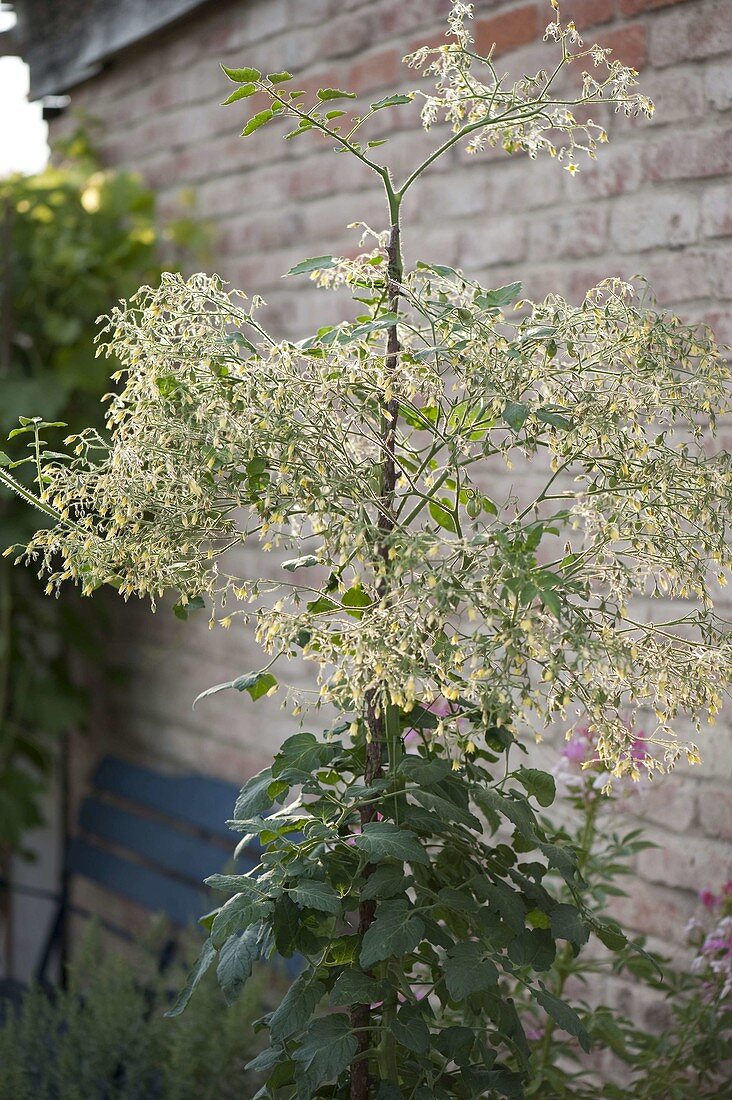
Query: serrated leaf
254	797
533	947
279	78
295	1008
240	93
501	296
395	931
302	752
324	94
260	119
410	1030
466	971
562	1014
566	924
314	263
236	915
327	1049
201	965
384	882
236	959
425	773
384	840
312	894
392	101
241	76
515	414
540	785
353	987
612	938
517	811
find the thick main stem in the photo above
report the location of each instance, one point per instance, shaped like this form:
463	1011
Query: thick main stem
375	712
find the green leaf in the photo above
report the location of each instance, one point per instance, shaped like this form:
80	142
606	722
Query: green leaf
279	78
242	76
305	562
257	120
384	882
540	785
533	947
256	683
392	101
395	931
563	1015
384	840
253	797
183	610
425	773
240	93
236	915
303	753
409	1029
517	811
295	1008
353	987
355	598
612	938
312	894
556	420
442	515
5	460
515	414
315	263
327	1049
502	296
236	959
466	971
325	94
566	924
204	960
456	1043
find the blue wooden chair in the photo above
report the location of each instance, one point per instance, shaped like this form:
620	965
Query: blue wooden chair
152	839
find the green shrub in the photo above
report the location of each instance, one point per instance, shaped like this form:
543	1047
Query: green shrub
105	1036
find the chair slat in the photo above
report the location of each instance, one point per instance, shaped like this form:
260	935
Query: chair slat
172	850
197	800
183	904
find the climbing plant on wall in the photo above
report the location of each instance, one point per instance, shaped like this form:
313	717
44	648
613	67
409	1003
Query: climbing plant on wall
405	860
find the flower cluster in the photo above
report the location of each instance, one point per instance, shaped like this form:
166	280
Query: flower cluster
518	607
712	936
534	114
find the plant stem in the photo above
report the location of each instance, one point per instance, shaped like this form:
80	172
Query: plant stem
375	716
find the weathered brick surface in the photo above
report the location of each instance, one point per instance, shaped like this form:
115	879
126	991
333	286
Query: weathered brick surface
658	201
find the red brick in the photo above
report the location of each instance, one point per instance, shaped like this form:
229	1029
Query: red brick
715	805
587	13
691	33
717	212
635	7
628	45
692	155
508	30
380	70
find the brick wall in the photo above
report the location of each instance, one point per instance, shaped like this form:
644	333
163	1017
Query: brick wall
658	201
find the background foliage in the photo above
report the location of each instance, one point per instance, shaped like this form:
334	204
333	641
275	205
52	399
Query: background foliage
74	238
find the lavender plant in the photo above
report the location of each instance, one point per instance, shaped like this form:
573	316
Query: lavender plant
447	624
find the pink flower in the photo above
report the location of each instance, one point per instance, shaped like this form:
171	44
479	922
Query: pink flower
708	899
727	888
